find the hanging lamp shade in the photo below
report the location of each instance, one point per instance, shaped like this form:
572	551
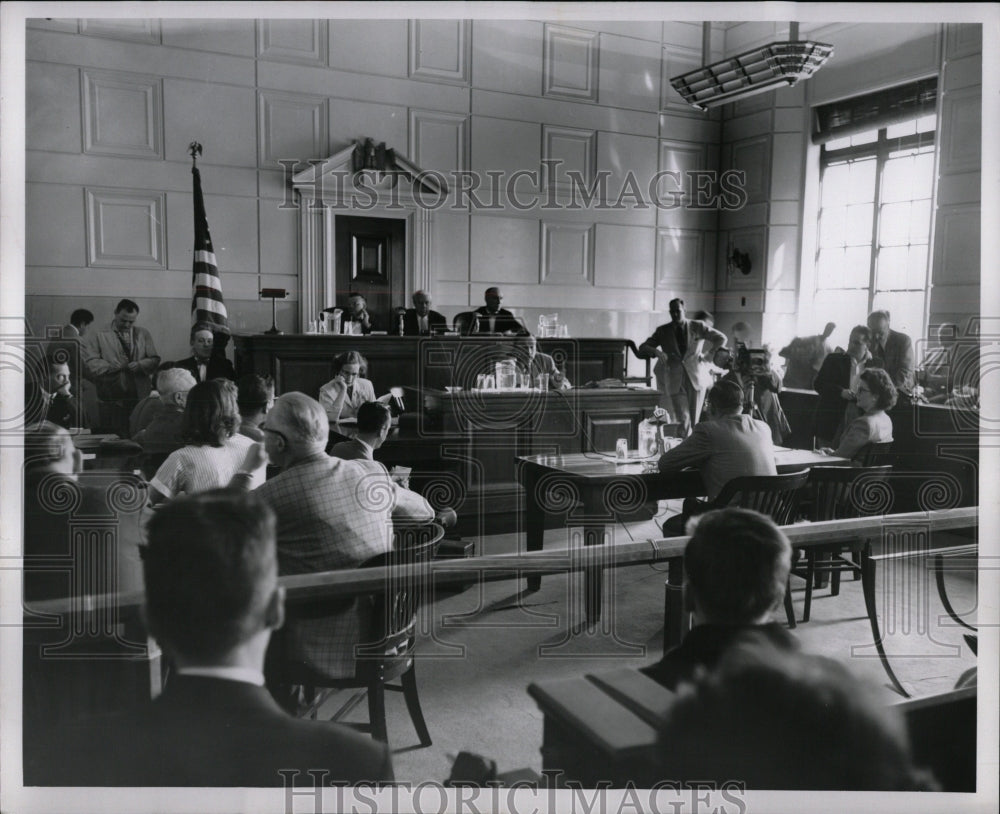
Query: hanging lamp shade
776	65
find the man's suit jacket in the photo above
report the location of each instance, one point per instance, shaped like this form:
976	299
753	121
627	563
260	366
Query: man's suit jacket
543	363
505	321
206	731
834	375
704	645
897	359
689	363
723	449
104	354
351	450
334	514
435	321
363	391
218	367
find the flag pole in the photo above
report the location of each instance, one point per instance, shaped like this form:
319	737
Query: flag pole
194	148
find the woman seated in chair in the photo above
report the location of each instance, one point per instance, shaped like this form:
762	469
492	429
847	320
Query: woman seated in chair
876	394
348	389
215	451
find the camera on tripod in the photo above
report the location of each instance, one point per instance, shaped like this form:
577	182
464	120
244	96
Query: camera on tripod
745	361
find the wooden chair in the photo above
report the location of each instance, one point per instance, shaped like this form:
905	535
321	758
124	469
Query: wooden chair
837	493
875	454
389	654
774	495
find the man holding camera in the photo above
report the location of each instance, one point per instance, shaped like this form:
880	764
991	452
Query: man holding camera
680	346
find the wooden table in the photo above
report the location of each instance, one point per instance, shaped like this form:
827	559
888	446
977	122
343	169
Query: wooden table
594	490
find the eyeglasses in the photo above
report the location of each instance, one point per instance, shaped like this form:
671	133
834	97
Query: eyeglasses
864	390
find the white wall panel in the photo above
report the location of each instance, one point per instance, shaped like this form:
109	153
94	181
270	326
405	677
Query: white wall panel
504	250
210	114
507	56
439	141
351	46
299	41
134	28
439	50
569	67
961	124
51	93
122	114
629	73
680	258
126	229
232	36
625	256
47	204
957	245
234	227
292	127
449	247
567	254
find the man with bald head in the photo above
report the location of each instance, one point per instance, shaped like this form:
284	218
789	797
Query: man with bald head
331	514
420	320
496	320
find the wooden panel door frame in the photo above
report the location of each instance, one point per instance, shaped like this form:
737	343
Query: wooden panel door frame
343	225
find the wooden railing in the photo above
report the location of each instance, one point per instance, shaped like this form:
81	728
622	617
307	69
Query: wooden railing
488	568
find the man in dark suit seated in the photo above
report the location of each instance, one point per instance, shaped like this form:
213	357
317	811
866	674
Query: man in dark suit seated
374	423
492	319
736	566
730	445
420	320
206	361
57	402
212	600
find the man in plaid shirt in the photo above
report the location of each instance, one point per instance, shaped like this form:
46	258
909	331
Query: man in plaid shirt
331	514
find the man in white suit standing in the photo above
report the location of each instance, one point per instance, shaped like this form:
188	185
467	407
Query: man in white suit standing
680	345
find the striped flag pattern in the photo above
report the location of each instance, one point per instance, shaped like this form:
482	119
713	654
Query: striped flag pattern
207	305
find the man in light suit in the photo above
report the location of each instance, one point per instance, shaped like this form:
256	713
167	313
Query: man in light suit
731	445
892	351
212	601
679	345
121	361
420	320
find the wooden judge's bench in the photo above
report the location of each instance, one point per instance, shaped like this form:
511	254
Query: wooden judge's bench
463	445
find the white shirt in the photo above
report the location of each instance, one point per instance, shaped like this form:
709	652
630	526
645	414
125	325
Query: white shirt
199	468
422	325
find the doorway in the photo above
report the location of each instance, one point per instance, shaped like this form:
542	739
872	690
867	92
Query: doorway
371	260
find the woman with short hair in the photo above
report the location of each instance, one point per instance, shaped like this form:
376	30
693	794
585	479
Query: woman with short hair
348	389
876	394
214	452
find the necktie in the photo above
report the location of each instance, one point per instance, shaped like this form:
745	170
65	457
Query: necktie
423	325
350	391
493	324
202	371
682	342
126	340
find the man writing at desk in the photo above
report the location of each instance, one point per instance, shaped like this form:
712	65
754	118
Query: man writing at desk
730	445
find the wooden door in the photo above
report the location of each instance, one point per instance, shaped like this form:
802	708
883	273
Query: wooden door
371	260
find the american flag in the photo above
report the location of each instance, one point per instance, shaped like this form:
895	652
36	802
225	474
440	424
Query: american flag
207	304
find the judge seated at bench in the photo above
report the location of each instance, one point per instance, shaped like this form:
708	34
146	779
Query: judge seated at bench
736	568
492	319
348	389
420	320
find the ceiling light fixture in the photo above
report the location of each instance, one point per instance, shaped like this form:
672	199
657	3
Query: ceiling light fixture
777	65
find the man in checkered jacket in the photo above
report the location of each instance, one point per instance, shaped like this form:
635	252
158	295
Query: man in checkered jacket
331	514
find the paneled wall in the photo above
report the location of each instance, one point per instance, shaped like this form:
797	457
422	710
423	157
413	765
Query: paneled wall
113	104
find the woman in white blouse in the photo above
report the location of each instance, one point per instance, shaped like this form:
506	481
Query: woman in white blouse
348	389
215	450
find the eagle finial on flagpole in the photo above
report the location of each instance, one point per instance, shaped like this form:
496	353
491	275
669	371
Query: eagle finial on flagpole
194	148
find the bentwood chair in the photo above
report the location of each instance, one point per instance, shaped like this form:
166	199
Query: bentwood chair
838	493
389	653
